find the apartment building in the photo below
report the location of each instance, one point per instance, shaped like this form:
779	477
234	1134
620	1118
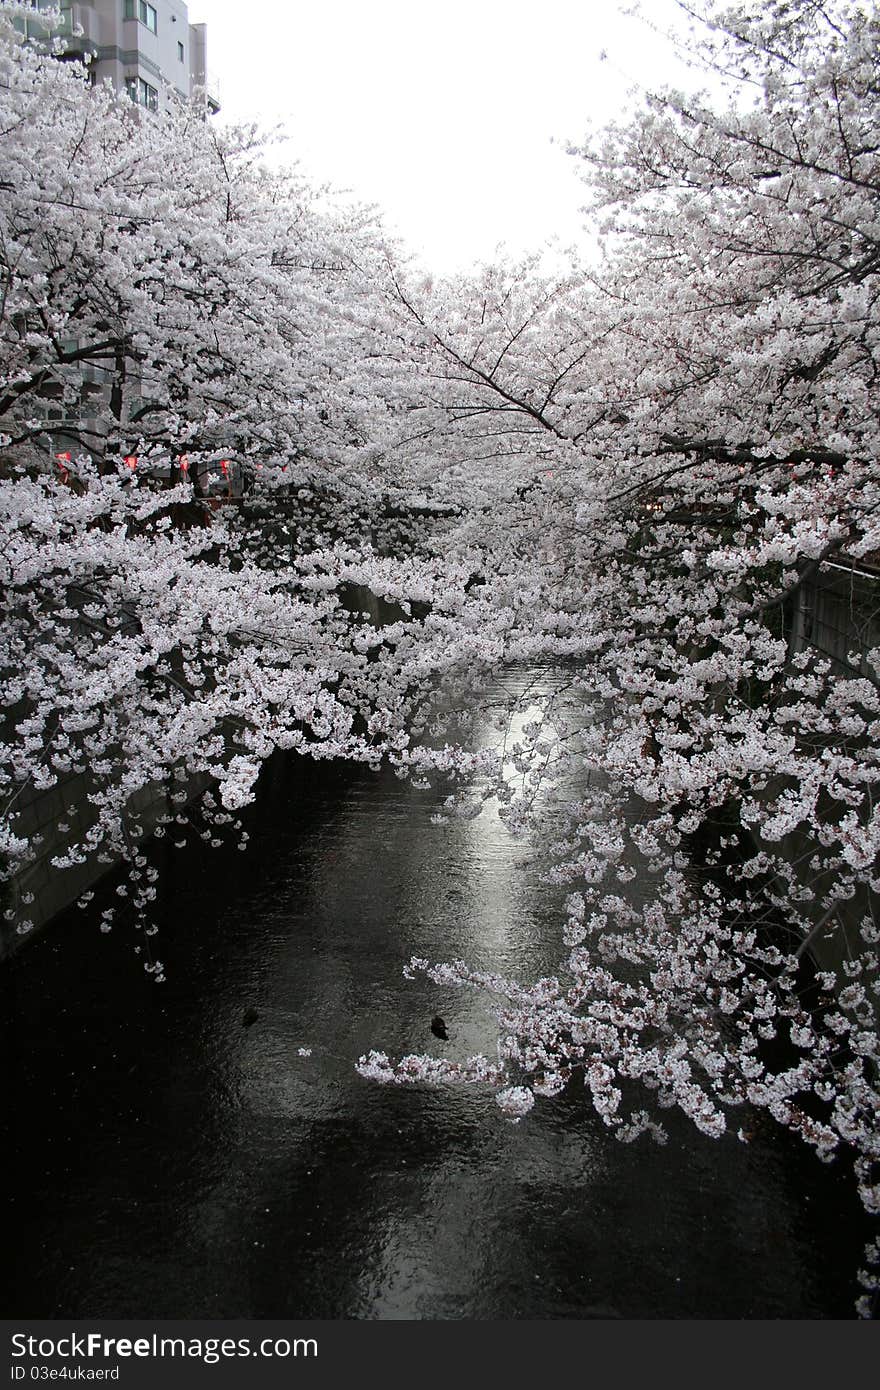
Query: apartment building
147	48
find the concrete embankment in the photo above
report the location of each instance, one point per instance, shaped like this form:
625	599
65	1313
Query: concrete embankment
56	821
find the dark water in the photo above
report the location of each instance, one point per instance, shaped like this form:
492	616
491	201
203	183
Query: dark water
162	1160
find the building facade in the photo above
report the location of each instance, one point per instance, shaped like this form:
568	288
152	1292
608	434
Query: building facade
147	48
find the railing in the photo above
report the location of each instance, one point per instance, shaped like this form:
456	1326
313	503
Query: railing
838	615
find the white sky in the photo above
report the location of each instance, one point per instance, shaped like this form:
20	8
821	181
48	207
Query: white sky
441	114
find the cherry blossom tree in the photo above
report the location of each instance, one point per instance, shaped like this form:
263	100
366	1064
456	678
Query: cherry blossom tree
165	296
654	458
629	475
170	311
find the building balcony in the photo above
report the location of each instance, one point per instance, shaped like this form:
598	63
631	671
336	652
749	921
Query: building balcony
79	30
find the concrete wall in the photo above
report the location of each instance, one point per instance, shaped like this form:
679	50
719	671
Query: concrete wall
837	615
61	817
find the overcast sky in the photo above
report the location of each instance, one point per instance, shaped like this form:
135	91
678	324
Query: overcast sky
442	114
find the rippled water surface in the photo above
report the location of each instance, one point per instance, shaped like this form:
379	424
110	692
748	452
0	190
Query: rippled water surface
163	1160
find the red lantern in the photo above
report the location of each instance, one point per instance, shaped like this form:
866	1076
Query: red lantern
184	463
62	461
130	461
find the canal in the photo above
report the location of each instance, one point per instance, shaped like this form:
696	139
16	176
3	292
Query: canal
163	1159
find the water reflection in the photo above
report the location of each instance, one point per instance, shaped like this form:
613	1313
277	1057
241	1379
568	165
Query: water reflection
164	1161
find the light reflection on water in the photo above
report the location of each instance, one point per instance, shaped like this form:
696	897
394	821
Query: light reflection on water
165	1161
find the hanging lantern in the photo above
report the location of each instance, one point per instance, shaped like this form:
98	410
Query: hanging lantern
130	461
184	463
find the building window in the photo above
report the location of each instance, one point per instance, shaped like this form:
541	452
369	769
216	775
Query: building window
142	93
138	9
180	51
